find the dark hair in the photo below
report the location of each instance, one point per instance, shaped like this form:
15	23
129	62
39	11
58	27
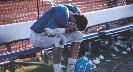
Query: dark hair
81	21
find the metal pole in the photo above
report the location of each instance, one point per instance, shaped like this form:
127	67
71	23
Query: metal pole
38	9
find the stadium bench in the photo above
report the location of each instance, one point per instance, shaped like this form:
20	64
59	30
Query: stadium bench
106	24
102	21
13	33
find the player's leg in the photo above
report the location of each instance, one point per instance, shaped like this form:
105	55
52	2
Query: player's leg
76	38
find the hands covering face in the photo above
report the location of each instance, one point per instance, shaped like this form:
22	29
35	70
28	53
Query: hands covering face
72	26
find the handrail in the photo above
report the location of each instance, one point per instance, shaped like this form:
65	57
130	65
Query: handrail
37	8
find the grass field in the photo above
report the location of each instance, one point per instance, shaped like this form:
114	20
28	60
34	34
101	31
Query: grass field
119	63
103	64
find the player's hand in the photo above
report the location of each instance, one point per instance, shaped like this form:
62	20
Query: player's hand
49	32
71	27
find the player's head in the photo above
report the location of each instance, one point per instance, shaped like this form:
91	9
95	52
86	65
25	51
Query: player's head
81	21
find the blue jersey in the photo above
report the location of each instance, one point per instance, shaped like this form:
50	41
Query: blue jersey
55	17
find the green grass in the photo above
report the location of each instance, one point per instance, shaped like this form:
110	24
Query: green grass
49	68
34	68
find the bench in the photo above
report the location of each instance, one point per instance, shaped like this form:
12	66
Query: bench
100	20
106	24
16	33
